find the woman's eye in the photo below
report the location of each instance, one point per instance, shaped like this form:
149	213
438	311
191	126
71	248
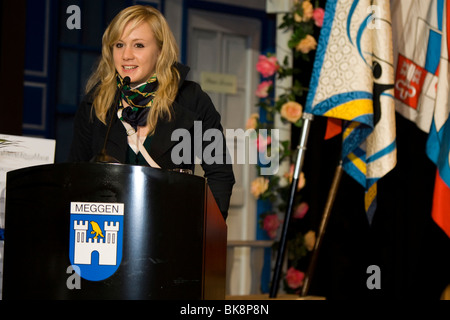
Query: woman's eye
139	45
119	45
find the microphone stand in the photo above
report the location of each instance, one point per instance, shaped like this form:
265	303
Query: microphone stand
103	157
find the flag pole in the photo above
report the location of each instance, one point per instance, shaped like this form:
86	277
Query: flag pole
322	228
307	117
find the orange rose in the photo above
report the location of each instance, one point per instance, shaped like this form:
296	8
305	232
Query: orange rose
308	11
291	111
301	178
306	44
259	186
252	122
310	240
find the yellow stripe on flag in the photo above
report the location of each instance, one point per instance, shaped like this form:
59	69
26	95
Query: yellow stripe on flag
370	196
360	164
351	110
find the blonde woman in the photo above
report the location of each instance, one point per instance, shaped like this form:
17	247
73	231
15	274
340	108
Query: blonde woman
138	46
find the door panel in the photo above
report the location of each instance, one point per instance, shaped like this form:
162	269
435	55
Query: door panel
228	44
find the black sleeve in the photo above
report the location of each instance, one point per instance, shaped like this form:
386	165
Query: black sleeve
81	148
216	161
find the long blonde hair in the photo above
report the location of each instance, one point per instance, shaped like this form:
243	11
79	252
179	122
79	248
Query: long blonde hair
167	74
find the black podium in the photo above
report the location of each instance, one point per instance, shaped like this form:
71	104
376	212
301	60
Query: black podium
107	231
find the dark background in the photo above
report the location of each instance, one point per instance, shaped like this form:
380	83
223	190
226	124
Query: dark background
413	253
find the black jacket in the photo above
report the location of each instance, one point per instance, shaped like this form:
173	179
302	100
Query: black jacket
191	104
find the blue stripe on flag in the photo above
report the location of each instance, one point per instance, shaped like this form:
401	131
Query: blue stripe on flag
433	52
330	10
361	30
354	139
349	19
438	149
433	145
353	171
440	9
381	153
371	181
360	153
367	119
387	95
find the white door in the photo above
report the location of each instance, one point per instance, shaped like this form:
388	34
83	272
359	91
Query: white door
227	44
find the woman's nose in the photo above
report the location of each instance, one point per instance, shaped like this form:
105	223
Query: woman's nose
127	53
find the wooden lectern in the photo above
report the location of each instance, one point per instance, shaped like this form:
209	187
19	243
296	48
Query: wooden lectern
108	231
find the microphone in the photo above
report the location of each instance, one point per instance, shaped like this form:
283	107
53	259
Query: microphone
103	157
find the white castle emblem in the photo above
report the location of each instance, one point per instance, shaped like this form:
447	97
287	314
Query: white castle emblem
106	246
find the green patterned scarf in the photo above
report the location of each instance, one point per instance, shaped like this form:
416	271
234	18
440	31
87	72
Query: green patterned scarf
140	100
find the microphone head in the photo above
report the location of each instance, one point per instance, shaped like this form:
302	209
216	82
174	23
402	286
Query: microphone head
126	81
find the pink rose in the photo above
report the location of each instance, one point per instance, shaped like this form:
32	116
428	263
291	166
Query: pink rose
318	16
271	224
267	66
301	210
294	278
263	142
292	111
263	89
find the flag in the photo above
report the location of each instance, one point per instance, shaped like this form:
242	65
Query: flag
353	80
417	33
420	34
438	143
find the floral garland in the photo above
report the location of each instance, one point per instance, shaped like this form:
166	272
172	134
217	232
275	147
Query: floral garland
302	20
